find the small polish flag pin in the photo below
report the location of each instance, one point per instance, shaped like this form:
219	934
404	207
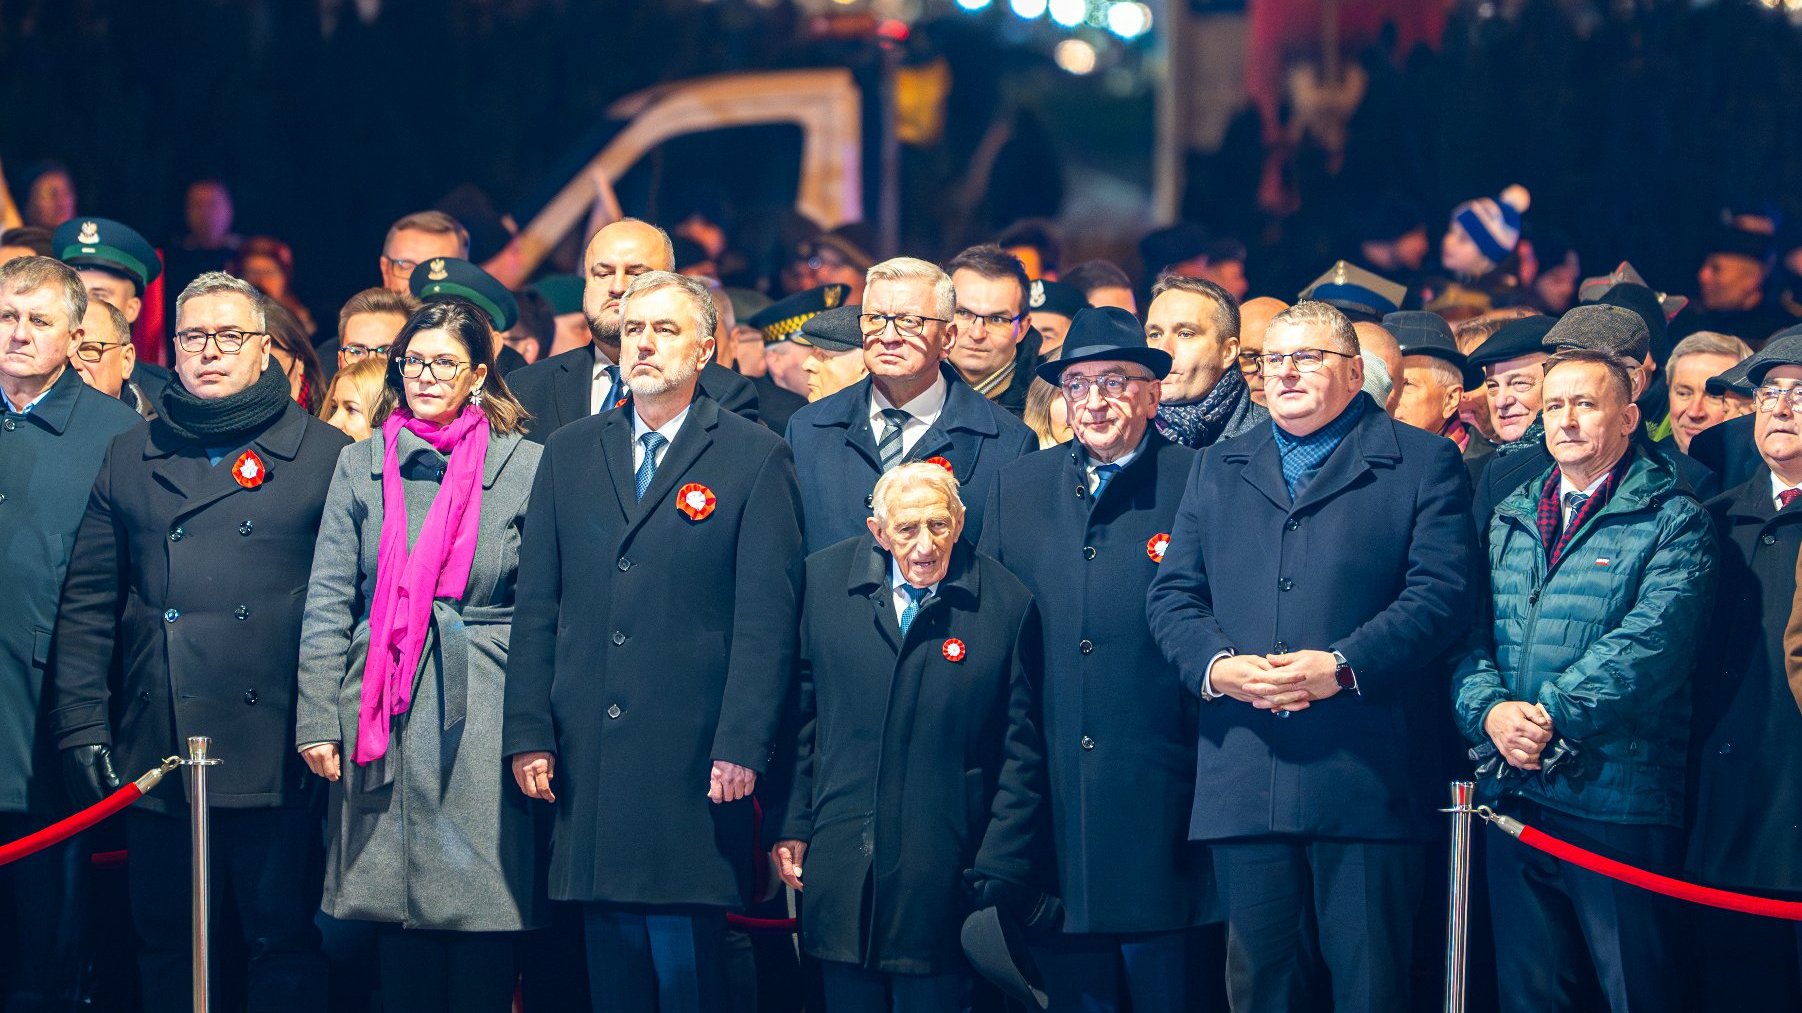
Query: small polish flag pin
1603	561
1156	547
954	650
249	470
696	501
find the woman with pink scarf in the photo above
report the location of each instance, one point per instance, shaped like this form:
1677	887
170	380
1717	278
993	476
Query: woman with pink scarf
403	668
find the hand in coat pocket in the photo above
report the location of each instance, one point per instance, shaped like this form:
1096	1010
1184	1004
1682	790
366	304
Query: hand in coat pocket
533	772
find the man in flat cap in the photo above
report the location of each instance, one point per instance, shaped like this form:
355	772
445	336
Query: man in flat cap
1119	732
833	341
586	381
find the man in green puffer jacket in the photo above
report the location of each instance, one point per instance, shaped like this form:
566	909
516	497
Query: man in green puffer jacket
1601	570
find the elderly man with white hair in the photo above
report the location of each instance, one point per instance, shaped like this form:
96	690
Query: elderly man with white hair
918	780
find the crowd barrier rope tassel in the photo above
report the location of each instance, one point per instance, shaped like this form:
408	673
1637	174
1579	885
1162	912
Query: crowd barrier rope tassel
1583	858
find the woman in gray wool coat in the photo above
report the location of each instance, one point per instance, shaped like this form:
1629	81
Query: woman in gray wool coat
402	673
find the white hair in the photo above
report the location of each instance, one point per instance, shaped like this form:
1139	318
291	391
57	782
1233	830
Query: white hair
914	269
917	475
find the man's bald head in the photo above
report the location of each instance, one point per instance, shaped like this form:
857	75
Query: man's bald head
1376	339
615	256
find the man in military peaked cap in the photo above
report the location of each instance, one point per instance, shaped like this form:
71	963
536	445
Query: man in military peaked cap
453	278
1361	295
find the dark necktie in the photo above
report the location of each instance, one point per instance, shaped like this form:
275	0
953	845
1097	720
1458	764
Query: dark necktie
915	595
611	399
647	468
1573	505
1103	475
888	449
1786	497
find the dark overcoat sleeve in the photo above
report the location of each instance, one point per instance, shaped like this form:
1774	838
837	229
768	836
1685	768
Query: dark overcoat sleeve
1017	816
766	609
532	654
87	619
1180	601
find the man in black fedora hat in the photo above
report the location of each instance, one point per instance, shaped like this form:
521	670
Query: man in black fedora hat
1119	734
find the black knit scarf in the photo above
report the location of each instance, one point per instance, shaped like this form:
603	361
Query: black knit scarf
230	420
1199	423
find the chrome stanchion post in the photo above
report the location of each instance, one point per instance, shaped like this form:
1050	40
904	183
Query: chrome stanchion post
1458	910
197	763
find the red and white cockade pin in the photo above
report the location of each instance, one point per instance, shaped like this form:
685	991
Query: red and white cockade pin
621	403
249	470
941	462
954	650
1156	547
696	501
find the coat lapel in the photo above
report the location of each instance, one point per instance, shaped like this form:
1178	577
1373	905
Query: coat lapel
691	441
616	456
1371	439
573	389
201	484
1263	469
869	579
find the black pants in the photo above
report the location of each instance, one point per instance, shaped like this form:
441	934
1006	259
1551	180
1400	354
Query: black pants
655	960
43	919
1561	931
1145	972
1362	895
425	971
264	865
1742	962
852	989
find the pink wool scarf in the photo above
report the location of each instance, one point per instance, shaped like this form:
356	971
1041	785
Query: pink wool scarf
407	582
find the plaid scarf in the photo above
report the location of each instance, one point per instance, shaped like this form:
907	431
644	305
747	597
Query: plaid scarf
1197	424
1302	456
1553	532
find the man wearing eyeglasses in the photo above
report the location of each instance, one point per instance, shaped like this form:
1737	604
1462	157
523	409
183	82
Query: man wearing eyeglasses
912	407
1747	778
1119	731
1317	568
369	322
993	343
105	357
190	564
54	431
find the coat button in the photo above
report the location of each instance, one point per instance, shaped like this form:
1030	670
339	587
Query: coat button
1087	743
1285	584
869	502
177	535
624	564
250	697
171	615
1088	552
619	639
1726	749
1082	491
242	612
1086	647
144	695
1292	525
244	528
614	711
1281	648
11	425
1768	538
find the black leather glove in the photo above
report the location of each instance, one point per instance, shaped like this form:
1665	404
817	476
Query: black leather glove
88	773
1035	910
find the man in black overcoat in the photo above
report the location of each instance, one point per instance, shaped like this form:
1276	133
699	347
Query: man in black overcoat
1316	571
912	407
54	430
652	650
1746	749
1094	521
918	781
191	565
586	381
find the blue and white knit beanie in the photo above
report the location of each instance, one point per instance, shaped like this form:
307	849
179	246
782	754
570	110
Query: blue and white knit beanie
1493	223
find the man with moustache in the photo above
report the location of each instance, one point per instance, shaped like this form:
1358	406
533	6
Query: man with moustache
1119	729
54	432
1600	571
912	407
586	381
1205	397
189	565
1746	757
1315	568
652	648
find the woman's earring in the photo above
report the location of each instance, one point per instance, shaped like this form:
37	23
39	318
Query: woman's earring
475	397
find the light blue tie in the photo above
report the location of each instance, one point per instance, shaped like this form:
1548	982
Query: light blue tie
647	468
914	596
1103	475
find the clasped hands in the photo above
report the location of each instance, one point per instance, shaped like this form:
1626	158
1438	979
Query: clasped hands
1277	682
1520	731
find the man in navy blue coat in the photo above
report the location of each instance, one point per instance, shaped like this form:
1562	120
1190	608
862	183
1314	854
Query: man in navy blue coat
912	407
1316	571
1093	523
653	646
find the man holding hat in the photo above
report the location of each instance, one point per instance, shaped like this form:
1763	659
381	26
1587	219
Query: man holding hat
1119	733
1434	377
1747	751
1051	305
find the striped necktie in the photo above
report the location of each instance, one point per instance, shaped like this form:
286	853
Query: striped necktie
888	449
647	468
915	595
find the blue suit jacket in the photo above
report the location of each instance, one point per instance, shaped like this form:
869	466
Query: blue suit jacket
1374	560
837	464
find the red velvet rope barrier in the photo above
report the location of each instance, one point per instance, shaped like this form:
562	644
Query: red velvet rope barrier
772	926
62	830
1712	897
